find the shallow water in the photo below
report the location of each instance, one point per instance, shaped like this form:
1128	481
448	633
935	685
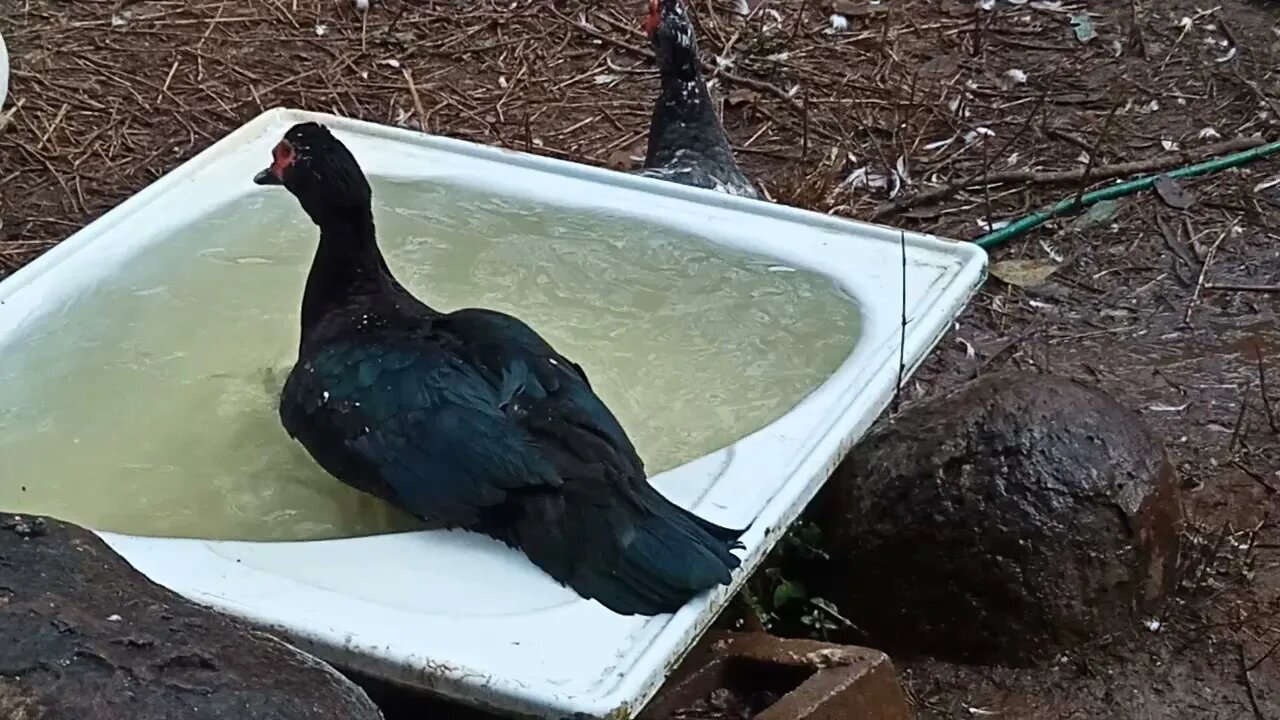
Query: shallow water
148	405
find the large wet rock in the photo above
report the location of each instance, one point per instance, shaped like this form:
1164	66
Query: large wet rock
84	636
1004	522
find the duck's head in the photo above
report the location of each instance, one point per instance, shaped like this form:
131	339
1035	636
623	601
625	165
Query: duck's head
321	172
670	31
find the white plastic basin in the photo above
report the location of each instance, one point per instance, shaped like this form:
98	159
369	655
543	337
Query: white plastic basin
4	71
456	613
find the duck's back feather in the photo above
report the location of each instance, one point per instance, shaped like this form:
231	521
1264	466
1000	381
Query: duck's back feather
472	420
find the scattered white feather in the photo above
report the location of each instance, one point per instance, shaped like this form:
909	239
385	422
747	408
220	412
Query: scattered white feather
602	79
1053	252
979	132
1016	76
940	144
362	5
390	62
1209	134
4	81
1169	145
958	106
1153	625
114	618
864	178
321	29
901	173
839	23
1230	55
1150	107
987	5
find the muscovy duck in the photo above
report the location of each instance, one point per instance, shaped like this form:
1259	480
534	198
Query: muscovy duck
470	419
687	144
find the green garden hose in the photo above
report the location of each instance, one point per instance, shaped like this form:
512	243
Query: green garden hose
1030	222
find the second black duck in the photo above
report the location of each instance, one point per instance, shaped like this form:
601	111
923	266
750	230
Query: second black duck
687	142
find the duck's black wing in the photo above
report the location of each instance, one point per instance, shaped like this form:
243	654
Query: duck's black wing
476	422
503	346
411	422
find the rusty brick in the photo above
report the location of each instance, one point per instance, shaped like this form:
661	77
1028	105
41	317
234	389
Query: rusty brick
822	681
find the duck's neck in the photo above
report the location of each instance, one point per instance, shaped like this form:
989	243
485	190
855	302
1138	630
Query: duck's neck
347	265
683	118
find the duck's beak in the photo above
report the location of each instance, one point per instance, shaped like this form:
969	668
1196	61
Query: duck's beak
266	177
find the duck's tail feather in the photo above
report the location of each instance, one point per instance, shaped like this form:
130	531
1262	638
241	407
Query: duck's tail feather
634	551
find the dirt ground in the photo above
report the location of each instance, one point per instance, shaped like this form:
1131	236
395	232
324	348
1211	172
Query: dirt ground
937	116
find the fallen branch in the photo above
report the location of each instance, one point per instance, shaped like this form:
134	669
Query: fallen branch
1242	287
1033	177
1204	269
1248	683
417	99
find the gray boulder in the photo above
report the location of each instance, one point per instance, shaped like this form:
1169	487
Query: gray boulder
84	636
1004	522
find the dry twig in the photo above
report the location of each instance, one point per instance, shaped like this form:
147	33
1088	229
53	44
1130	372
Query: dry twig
1204	268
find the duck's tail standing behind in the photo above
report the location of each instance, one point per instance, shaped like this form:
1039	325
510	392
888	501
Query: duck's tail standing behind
634	551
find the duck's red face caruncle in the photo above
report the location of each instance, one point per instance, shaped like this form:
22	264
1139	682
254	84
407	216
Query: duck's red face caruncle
282	158
660	10
654	19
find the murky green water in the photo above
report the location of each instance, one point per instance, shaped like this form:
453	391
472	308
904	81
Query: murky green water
148	406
